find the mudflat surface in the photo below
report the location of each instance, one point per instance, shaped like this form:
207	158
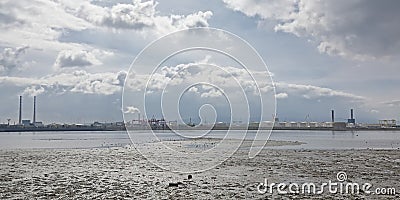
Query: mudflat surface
123	173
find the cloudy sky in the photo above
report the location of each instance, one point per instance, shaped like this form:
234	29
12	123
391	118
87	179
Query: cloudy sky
75	54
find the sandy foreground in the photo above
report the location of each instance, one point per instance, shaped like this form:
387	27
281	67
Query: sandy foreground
123	173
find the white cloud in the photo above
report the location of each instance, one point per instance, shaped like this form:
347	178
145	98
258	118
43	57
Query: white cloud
139	16
194	89
314	92
205	91
33	90
68	58
37	23
166	76
276	9
199	19
125	16
313	98
282	95
211	93
10	59
234	81
374	111
78	81
356	29
120	80
131	110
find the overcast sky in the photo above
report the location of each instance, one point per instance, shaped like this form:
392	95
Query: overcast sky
75	54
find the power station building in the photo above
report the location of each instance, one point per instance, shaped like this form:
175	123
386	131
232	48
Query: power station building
27	122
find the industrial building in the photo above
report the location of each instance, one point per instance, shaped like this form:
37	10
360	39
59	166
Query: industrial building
27	122
351	123
387	123
351	120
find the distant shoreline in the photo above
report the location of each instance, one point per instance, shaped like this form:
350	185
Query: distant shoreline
47	129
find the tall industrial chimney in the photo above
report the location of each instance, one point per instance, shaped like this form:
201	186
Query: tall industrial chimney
34	110
20	110
333	115
351	114
351	120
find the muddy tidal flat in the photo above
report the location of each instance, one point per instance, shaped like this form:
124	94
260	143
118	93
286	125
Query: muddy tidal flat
122	173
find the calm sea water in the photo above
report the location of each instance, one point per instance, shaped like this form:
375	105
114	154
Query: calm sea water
313	139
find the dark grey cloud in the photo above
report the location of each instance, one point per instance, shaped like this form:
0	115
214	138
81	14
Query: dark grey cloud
355	29
7	20
8	17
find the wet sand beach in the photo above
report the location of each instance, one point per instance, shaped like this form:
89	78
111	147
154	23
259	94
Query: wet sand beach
123	173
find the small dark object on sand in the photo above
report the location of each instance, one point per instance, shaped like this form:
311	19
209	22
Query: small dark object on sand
190	176
175	184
